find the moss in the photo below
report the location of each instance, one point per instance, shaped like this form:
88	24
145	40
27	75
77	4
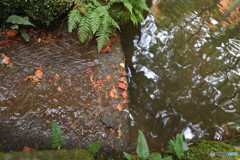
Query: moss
235	142
202	150
76	154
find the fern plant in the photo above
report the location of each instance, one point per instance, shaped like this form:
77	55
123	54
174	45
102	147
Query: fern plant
56	135
94	147
101	18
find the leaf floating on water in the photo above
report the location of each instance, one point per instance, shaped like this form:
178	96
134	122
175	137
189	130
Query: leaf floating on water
124	94
121	85
122	64
38	75
123	73
109	79
119	107
83	116
125	101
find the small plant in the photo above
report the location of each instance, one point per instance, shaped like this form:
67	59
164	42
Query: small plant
94	147
56	135
179	146
18	23
101	18
143	150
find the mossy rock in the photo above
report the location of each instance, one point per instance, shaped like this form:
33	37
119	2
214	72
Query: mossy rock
76	154
202	150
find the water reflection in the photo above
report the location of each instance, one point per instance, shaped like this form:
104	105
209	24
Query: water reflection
185	71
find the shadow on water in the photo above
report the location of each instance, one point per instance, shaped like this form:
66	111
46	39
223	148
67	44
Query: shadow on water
184	71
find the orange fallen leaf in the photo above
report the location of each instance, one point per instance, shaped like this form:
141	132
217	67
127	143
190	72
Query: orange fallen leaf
6	60
116	76
119	107
48	121
113	93
124	94
123	73
112	39
89	69
125	101
105	49
123	79
109	79
57	77
26	149
27	78
4	44
11	33
114	66
121	85
59	89
38	73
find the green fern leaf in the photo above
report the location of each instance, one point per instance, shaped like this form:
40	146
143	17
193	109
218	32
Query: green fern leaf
56	135
84	30
95	21
74	19
128	5
102	38
94	147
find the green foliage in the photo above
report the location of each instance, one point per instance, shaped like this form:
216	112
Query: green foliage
128	156
94	147
18	23
142	147
155	156
40	12
178	146
56	135
237	123
100	19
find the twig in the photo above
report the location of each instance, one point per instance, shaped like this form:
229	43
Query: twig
59	32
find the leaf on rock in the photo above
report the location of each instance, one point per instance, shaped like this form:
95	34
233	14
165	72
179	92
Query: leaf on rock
109	79
125	101
114	66
123	73
89	69
119	107
123	79
122	64
121	85
124	94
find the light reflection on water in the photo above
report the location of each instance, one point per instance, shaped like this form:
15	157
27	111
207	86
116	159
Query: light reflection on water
185	74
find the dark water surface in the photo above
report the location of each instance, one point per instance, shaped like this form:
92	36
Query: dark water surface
184	72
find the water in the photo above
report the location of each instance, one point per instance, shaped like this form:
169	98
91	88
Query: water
183	65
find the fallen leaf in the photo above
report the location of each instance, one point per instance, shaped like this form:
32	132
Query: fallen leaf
105	49
57	77
4	44
87	105
123	73
48	121
26	149
73	125
125	101
100	83
116	76
114	66
112	39
123	79
38	73
124	94
89	69
83	116
121	85
50	79
6	60
59	89
11	33
122	64
91	77
27	78
119	107
109	79
50	67
39	40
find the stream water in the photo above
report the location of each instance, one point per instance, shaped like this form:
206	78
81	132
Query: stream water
184	72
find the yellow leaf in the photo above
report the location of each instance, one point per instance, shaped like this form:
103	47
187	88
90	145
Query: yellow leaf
122	64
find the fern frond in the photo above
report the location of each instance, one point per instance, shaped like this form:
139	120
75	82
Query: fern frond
84	30
74	19
95	21
94	147
102	37
128	5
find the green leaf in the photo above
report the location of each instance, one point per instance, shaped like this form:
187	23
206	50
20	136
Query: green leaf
56	135
128	5
14	19
24	34
83	116
94	147
167	158
237	123
74	19
142	147
155	156
15	26
128	156
178	146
